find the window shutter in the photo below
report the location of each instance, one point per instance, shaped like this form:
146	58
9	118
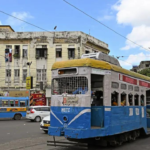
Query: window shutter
45	53
69	53
23	53
73	53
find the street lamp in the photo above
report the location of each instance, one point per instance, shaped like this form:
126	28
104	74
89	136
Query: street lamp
29	64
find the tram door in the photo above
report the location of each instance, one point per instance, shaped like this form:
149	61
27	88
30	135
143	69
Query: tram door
97	109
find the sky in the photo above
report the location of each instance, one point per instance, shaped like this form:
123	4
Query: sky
129	18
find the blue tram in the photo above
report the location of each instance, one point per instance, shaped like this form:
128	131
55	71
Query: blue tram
96	100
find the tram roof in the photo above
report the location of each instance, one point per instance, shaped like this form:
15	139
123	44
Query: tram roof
87	62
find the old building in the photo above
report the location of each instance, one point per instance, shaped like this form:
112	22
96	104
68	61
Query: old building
43	49
143	65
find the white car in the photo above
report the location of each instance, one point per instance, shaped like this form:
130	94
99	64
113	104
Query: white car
45	123
37	113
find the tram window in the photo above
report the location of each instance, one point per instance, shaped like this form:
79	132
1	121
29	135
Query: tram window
114	99
136	88
22	104
123	99
16	102
70	85
0	103
130	88
148	97
115	85
11	103
123	86
130	97
5	103
142	100
136	100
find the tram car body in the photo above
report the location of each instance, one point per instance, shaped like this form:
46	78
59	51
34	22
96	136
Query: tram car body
97	99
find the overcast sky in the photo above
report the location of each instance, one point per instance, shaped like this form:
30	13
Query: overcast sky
130	18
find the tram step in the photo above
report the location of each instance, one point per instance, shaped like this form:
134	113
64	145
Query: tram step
94	127
148	130
67	144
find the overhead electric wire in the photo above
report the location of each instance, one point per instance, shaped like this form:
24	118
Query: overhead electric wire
105	25
84	14
23	20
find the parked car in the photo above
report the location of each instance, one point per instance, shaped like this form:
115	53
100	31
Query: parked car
37	113
45	123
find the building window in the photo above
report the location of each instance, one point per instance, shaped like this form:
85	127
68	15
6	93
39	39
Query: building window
8	75
41	52
25	51
17	72
24	75
71	53
17	75
17	51
8	72
8	53
41	75
58	52
147	65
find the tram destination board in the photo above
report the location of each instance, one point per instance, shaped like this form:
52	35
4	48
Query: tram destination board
70	100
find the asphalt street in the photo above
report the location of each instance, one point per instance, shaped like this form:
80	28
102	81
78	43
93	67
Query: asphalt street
26	135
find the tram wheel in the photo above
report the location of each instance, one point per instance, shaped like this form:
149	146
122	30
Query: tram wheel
120	143
134	135
137	133
17	117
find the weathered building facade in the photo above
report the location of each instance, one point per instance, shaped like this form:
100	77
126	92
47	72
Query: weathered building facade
42	49
143	65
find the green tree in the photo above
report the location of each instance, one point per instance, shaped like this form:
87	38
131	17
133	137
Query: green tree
145	72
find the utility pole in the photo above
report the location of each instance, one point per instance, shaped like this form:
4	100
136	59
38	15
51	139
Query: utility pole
8	72
29	64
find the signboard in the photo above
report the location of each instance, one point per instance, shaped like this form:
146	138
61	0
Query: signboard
29	82
99	71
70	100
133	81
127	79
18	93
37	100
145	84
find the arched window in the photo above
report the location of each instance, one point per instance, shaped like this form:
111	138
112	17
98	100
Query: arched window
142	100
123	99
130	98
114	98
136	100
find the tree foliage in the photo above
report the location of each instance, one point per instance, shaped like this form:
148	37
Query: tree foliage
145	72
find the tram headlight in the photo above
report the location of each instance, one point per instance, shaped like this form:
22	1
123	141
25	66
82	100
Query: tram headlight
65	118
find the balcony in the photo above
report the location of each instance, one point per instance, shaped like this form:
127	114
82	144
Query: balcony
16	56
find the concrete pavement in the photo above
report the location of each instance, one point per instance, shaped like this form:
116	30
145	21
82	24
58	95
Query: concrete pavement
26	135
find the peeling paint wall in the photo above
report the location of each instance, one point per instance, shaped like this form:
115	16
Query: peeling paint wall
77	40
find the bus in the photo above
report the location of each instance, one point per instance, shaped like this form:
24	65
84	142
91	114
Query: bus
13	107
94	99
